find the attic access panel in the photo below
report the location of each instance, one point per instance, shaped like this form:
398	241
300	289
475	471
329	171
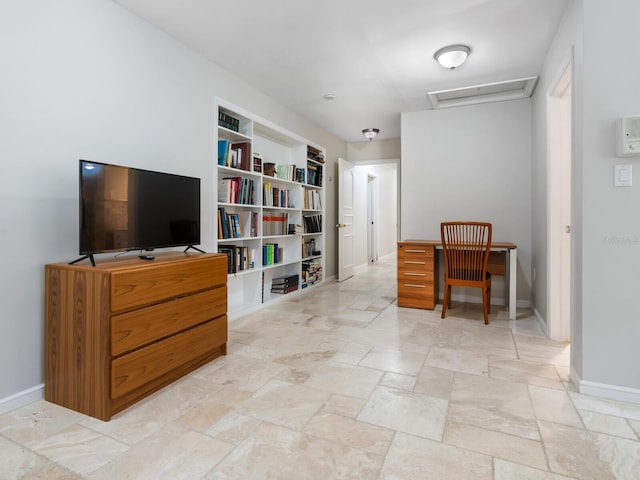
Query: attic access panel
489	92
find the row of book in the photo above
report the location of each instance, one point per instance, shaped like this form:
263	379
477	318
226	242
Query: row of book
234	155
274	223
231	225
315	154
312	200
311	272
309	249
239	257
227	121
312	223
314	175
236	190
286	284
271	254
276	197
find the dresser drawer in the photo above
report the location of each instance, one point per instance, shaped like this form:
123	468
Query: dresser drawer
143	326
155	283
148	363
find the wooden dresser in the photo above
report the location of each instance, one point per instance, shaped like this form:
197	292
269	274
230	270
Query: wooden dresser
119	331
417	274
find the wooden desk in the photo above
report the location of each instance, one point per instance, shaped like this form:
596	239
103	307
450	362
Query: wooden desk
418	272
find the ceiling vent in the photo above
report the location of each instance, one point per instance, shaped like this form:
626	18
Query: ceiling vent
489	92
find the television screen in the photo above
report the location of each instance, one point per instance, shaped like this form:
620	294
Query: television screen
124	208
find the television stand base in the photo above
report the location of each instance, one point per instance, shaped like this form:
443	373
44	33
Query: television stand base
195	248
89	256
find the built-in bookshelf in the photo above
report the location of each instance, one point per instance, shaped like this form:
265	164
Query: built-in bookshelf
270	206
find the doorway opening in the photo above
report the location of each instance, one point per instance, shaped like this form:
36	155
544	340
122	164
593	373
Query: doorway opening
372	219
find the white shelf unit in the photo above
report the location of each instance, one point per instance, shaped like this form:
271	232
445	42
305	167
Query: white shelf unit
257	217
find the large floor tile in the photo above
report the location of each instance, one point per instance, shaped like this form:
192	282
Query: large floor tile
285	404
421	415
504	470
174	452
396	361
80	449
554	406
20	463
414	458
493	404
495	444
458	360
350	432
276	453
587	455
353	381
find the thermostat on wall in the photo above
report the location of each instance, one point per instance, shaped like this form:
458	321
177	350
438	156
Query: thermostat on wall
628	136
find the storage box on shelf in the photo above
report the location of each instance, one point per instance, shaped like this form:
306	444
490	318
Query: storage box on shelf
270	201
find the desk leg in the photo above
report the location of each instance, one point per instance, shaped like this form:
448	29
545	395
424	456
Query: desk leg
513	272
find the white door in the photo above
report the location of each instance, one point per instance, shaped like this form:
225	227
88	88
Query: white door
346	238
559	209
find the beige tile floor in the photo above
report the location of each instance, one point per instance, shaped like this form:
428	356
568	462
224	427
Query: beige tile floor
340	383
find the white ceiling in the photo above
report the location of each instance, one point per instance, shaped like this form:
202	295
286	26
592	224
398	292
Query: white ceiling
376	56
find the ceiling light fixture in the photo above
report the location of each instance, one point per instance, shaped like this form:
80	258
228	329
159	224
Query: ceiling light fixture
370	133
329	96
452	56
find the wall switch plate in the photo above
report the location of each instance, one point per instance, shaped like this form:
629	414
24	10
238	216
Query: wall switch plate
622	176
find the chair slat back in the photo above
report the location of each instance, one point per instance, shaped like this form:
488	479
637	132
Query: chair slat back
466	247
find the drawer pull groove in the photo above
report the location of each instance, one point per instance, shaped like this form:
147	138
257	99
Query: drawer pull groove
415	251
409	274
412	285
415	263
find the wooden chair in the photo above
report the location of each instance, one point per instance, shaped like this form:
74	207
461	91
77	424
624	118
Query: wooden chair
466	247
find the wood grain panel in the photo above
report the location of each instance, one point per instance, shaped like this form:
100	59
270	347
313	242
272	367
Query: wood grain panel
141	366
76	340
146	285
497	263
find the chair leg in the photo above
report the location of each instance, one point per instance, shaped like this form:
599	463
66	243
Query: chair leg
445	300
485	305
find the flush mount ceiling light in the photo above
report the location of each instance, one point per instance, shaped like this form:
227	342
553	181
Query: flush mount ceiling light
370	133
452	56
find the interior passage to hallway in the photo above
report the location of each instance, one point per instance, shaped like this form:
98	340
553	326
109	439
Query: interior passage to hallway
340	383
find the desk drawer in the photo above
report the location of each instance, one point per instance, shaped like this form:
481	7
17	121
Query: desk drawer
416	295
415	252
418	270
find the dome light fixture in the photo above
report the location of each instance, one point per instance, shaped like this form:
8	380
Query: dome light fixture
370	133
452	56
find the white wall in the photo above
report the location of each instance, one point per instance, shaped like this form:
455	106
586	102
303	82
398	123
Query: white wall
610	215
470	163
86	79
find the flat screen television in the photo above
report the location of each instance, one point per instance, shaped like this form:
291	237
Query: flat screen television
123	209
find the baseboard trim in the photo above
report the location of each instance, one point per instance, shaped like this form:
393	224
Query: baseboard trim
603	390
22	399
541	321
